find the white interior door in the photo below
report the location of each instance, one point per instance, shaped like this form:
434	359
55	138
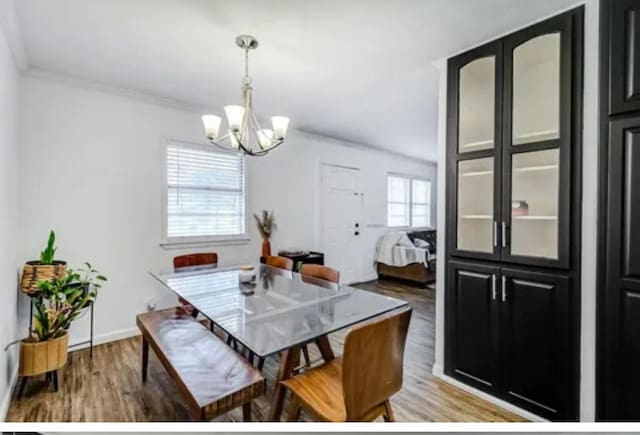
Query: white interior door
340	220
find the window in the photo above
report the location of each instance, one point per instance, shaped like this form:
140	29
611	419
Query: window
205	195
409	202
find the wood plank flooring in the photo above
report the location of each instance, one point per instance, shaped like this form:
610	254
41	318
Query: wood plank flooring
110	389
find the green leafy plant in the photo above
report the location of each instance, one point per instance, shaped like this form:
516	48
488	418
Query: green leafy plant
58	303
47	256
266	224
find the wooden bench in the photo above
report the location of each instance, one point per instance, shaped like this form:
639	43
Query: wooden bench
210	375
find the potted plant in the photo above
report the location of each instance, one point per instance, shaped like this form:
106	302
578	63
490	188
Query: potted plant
47	268
56	304
266	226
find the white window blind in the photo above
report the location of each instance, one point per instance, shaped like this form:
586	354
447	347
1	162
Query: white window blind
205	194
408	202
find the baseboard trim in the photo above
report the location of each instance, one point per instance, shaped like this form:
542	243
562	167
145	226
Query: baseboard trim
6	400
437	372
104	338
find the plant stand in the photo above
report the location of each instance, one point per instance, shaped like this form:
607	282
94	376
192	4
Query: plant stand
90	340
48	377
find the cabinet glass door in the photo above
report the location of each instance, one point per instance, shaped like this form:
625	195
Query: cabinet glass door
476	228
536	90
534	204
477	105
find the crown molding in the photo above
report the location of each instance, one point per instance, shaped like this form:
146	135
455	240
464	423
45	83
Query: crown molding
93	85
366	147
10	26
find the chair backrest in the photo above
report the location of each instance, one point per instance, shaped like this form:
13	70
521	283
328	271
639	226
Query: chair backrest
279	262
192	260
322	272
372	362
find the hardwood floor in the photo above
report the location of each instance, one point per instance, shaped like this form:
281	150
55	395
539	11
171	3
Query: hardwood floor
110	389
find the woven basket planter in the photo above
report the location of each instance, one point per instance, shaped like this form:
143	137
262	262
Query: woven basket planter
41	357
33	272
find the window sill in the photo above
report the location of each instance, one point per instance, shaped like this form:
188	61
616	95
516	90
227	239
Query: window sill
205	243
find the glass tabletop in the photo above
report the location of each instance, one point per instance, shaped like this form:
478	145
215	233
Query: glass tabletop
276	310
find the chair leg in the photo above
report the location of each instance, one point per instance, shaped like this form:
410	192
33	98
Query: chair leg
246	412
305	352
294	408
145	358
388	412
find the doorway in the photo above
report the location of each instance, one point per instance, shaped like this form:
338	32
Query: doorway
341	220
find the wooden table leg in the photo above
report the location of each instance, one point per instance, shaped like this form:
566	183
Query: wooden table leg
325	348
289	360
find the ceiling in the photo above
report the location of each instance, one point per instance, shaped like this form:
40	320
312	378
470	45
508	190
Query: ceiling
356	70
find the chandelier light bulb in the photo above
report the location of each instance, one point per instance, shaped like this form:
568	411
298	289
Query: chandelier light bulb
265	138
280	125
234	141
235	116
211	126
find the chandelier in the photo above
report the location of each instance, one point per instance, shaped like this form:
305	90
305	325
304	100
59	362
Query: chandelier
245	135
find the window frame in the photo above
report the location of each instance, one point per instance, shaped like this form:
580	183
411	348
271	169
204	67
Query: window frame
411	178
195	241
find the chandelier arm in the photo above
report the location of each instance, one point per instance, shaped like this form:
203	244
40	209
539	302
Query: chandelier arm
275	145
256	124
241	145
223	147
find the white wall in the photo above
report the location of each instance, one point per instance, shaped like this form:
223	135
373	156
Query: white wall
589	215
90	168
8	262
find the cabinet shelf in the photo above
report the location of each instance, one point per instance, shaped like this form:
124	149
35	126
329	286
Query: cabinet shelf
476	144
476	173
535	218
537	168
477	216
535	136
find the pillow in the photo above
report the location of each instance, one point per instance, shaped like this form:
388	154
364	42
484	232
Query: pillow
421	243
405	241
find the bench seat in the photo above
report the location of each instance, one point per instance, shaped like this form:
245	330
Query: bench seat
210	375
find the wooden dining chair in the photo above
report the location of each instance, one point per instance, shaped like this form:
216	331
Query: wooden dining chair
322	273
279	262
182	262
186	262
358	385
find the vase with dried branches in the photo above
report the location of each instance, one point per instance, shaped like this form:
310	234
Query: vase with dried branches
266	225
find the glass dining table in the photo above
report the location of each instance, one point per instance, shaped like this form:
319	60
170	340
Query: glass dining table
277	312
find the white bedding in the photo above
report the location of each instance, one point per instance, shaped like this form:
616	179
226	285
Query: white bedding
392	249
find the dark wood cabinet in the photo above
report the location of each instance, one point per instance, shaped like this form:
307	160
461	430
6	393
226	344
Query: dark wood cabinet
514	113
624	55
473	323
618	307
536	342
511	332
620	345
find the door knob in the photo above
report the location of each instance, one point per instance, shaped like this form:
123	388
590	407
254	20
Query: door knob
357	233
357	225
